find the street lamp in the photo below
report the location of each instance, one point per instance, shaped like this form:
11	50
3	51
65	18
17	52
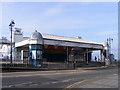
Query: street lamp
11	25
73	53
109	40
87	56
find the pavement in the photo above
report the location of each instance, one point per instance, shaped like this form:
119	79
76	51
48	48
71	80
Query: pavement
50	72
109	81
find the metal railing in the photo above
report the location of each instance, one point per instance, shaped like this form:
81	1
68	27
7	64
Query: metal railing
19	65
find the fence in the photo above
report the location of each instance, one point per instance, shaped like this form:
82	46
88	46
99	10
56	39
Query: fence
19	66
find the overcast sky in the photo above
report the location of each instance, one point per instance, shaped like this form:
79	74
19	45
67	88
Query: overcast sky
95	21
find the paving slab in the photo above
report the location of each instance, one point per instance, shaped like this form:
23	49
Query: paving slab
110	81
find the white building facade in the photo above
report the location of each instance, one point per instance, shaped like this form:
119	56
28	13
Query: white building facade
4	48
53	48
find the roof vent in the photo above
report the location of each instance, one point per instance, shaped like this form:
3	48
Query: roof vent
79	37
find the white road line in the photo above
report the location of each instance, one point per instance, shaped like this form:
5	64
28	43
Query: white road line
67	80
77	83
45	83
54	82
8	86
23	84
17	84
72	85
33	84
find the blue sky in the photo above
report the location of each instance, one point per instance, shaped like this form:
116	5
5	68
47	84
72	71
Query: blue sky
95	21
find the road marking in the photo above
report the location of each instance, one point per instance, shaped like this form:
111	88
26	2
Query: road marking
23	84
8	86
73	85
33	84
17	84
67	80
54	82
84	81
45	83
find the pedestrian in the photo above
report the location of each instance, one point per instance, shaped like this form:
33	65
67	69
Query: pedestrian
95	58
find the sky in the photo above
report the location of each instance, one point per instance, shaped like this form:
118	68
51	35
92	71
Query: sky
94	21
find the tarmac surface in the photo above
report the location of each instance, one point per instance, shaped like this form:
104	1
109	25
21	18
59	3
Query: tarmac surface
88	77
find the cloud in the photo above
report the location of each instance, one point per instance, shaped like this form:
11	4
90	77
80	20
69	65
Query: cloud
105	33
53	11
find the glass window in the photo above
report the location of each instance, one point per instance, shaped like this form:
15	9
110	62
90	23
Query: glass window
39	46
34	54
36	46
18	49
25	53
33	46
39	54
0	46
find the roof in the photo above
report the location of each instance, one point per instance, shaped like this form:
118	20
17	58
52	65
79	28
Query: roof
36	35
4	40
25	38
72	39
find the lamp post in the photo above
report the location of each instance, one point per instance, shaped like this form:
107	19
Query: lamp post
87	56
109	40
74	61
67	55
11	25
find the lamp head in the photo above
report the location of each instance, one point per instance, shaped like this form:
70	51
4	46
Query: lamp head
12	23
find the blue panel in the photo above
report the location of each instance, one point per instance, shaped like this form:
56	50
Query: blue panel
34	51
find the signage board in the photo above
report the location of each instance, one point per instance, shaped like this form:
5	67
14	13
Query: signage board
73	44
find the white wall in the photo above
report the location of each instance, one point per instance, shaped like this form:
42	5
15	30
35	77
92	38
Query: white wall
4	51
17	37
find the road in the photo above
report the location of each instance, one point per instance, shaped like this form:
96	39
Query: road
53	79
